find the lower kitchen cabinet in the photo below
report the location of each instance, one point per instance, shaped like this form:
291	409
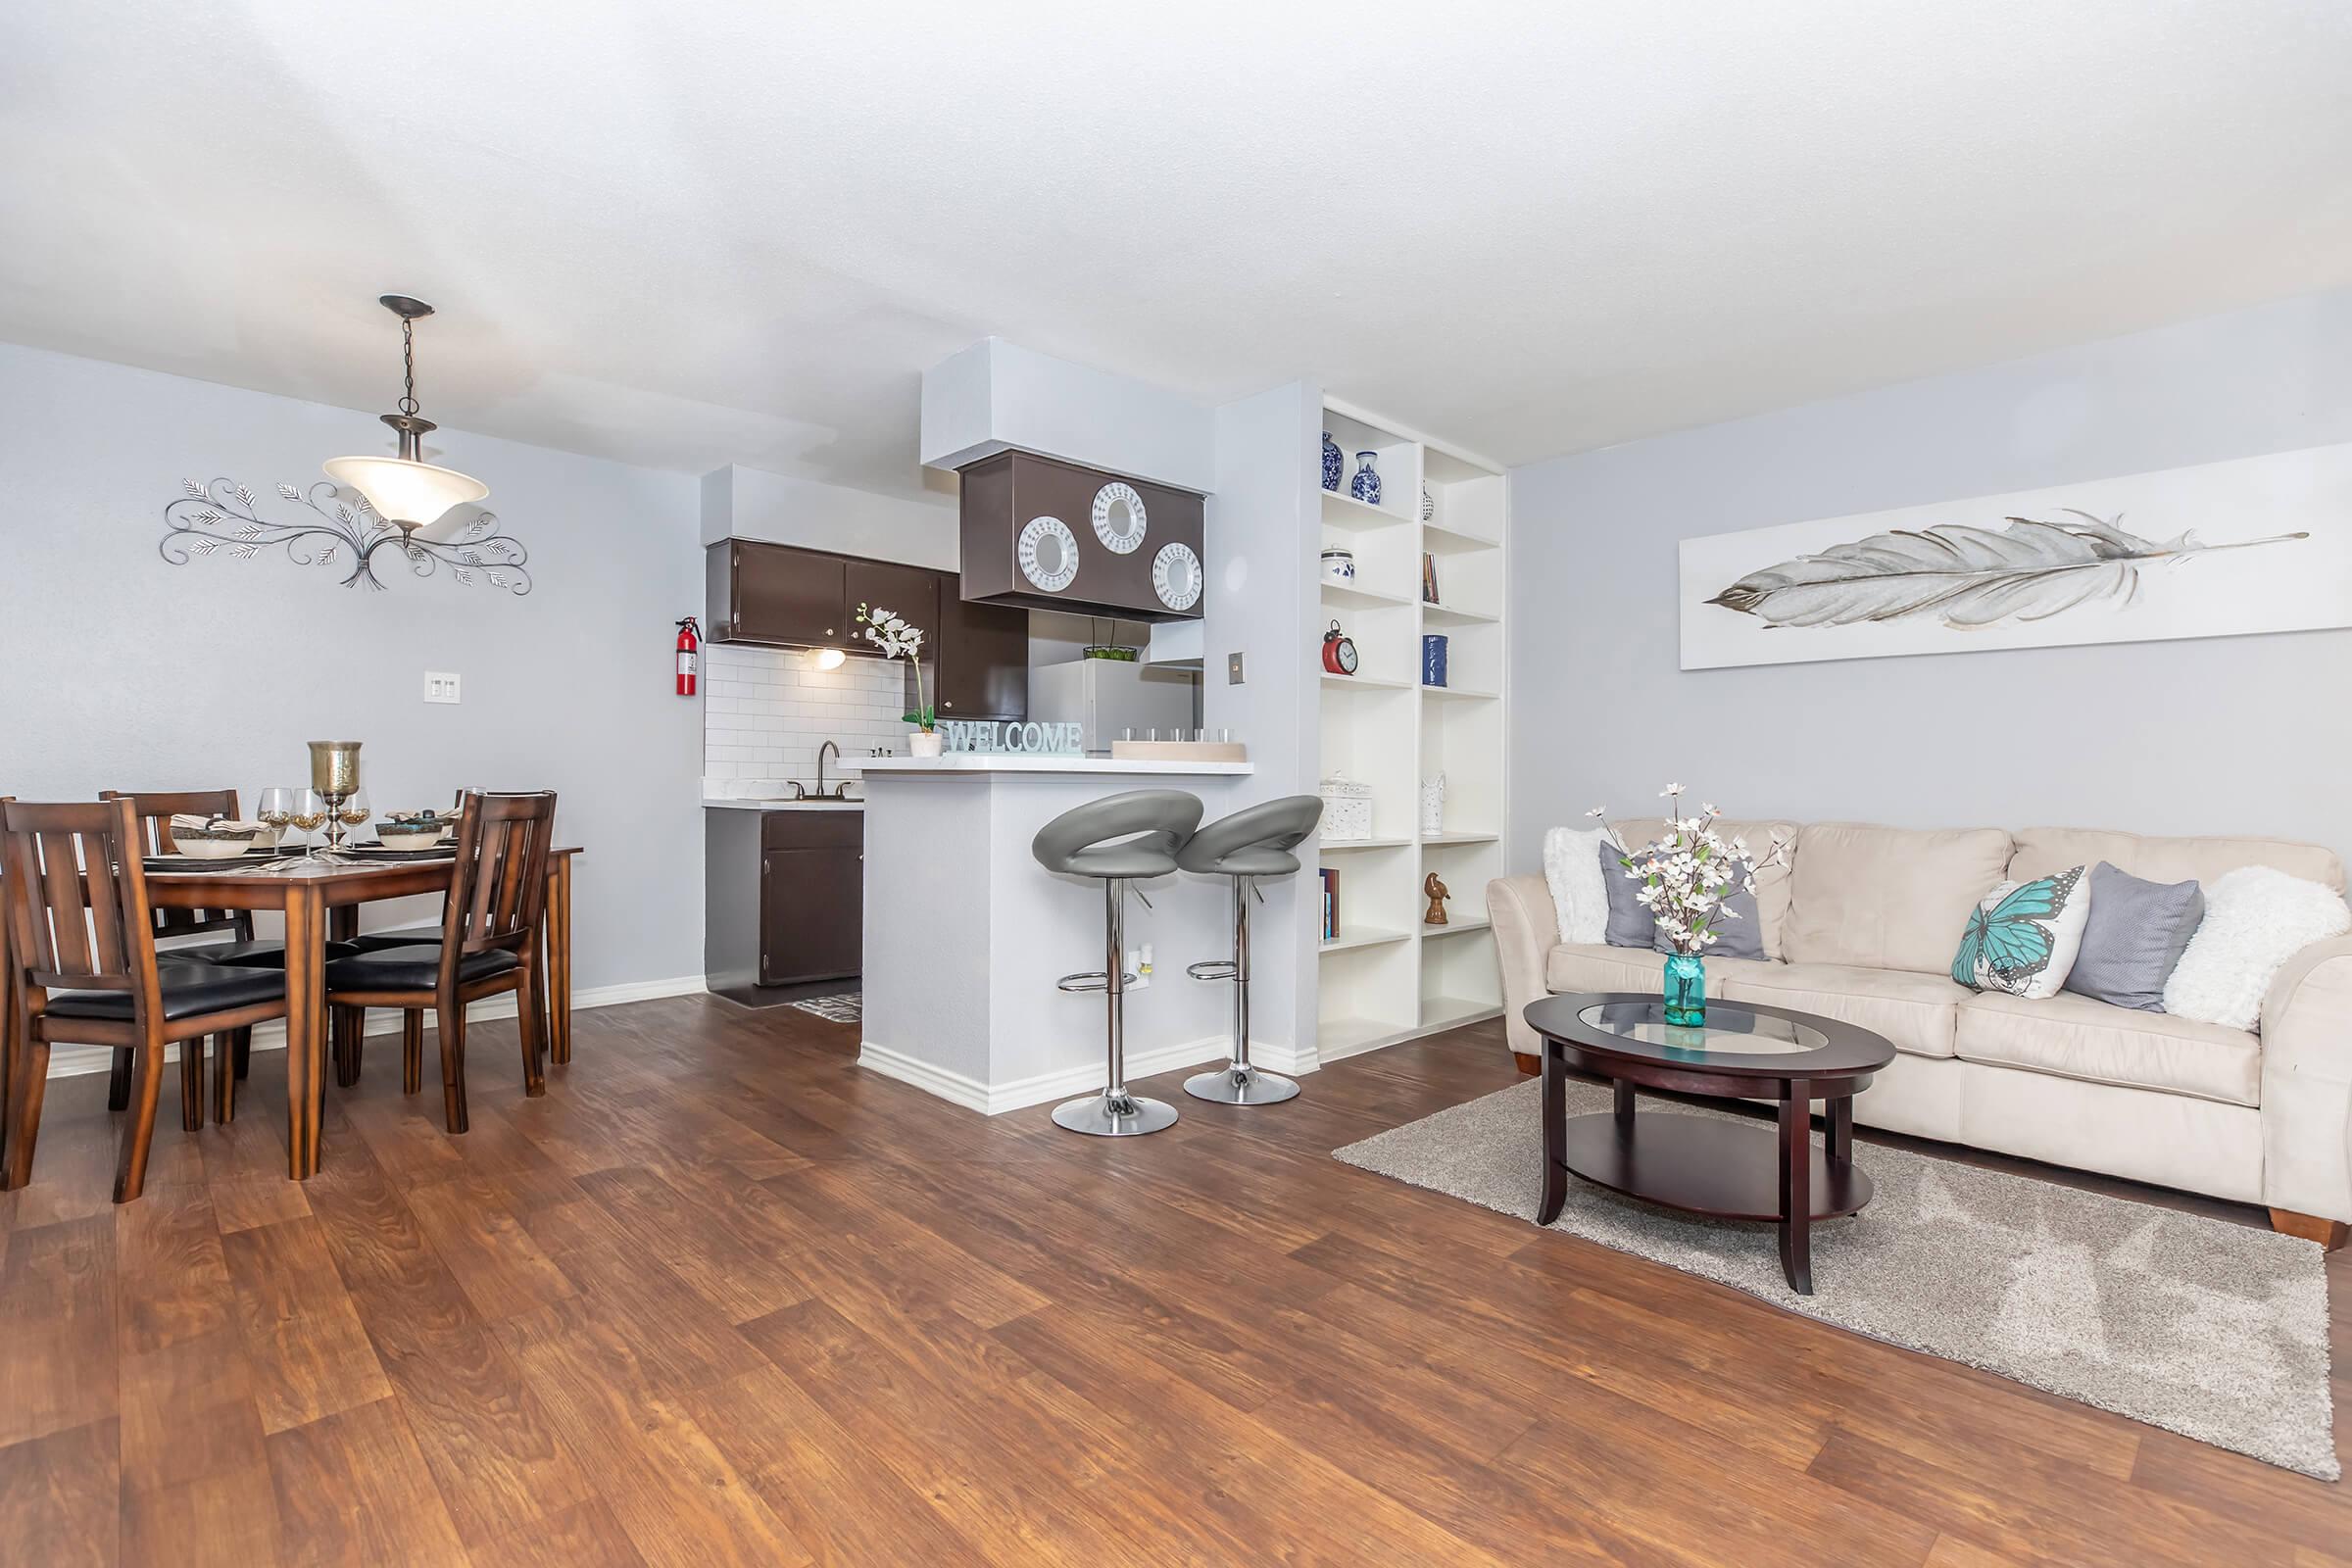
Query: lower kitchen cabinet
785	896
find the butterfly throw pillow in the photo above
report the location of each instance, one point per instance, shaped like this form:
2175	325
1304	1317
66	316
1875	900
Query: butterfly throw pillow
2021	937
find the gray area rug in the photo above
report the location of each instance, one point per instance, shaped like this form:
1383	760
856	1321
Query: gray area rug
2210	1329
847	1007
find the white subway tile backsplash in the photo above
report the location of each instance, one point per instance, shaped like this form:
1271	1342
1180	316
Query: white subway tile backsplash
766	713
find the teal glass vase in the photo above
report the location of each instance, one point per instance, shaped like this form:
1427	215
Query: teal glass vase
1685	990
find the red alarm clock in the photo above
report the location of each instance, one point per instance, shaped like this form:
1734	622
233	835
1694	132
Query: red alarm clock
1339	651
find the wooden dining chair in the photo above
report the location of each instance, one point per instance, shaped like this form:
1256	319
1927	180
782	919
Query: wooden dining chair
81	944
155	809
488	945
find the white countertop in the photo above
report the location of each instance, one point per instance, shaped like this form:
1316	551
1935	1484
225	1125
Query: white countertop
884	767
785	804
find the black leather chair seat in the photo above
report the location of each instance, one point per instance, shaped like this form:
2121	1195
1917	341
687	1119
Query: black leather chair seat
188	989
270	955
378	941
411	968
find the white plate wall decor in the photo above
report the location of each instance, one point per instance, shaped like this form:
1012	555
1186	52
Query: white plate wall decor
1119	517
1049	553
1176	576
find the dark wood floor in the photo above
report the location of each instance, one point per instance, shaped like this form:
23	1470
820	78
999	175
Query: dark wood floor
719	1297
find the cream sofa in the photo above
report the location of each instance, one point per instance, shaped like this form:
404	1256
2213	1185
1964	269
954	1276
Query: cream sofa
1861	923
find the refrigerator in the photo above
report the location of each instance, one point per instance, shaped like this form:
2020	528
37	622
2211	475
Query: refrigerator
1108	697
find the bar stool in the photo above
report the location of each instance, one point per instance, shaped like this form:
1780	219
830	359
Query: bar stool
1117	840
1251	843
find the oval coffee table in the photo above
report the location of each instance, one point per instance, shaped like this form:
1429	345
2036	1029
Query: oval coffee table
1725	1169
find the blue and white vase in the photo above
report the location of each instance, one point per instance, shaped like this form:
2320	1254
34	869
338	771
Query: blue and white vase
1365	486
1335	466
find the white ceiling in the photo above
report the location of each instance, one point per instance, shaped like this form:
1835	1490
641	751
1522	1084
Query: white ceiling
690	234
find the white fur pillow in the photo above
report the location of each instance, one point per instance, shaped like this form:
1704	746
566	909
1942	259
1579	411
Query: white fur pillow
1572	869
2256	919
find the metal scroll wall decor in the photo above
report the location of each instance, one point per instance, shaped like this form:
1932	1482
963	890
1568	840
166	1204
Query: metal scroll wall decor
222	519
390	504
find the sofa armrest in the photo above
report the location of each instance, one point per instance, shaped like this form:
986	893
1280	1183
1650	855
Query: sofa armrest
2307	1082
1526	925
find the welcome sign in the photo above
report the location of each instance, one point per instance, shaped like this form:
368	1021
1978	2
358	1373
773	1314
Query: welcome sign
1013	736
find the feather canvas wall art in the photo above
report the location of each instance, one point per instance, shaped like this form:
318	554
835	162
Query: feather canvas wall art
2252	545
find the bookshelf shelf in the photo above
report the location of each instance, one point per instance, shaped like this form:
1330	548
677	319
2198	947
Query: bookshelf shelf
1386	977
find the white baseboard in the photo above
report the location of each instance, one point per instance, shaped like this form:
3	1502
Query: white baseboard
68	1061
970	1093
1292	1061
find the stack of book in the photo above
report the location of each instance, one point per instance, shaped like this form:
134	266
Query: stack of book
1331	903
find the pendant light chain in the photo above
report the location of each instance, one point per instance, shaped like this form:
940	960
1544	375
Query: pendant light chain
408	366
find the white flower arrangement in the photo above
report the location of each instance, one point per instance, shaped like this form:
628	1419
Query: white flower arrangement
1686	874
899	638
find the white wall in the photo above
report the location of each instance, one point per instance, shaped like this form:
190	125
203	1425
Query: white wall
995	395
752	504
1259	547
2225	735
122	671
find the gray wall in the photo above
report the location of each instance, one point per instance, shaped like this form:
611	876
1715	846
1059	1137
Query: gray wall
2225	735
118	671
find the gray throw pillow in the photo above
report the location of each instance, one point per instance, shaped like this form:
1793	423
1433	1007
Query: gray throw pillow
1629	925
2136	932
1741	938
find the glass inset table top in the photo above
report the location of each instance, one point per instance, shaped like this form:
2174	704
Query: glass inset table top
1730	1030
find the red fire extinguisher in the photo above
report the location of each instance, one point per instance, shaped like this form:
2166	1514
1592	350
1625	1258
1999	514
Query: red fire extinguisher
690	645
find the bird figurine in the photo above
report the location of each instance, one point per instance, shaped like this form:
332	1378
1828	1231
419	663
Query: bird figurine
1438	893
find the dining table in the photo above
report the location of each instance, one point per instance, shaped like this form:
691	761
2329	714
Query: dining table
321	899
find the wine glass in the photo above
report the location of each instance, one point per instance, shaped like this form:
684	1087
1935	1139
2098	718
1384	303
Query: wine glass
310	814
353	813
277	812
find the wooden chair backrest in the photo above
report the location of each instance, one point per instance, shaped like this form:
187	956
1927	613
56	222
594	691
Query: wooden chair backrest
76	897
154	810
498	888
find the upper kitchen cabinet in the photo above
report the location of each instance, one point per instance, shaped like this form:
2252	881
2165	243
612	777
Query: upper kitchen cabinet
763	593
913	592
1042	534
981	664
794	597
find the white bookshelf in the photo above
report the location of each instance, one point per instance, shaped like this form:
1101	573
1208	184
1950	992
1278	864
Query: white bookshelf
1385	976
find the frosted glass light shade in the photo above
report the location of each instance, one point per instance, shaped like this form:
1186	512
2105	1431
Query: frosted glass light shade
402	490
827	657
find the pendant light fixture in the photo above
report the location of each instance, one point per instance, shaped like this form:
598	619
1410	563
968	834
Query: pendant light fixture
407	491
397	500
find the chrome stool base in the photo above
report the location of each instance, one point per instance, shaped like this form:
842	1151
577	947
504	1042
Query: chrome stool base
1103	1115
1240	1085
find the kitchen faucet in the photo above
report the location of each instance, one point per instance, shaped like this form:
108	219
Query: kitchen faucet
835	749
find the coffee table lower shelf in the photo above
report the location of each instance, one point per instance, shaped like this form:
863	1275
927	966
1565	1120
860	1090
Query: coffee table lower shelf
1705	1165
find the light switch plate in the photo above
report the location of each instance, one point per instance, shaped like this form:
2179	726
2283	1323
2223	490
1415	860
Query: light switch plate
1233	669
440	686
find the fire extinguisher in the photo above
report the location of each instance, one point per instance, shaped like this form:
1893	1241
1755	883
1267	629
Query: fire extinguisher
690	645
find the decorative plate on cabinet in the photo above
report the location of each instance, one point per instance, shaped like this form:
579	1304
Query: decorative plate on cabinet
1176	576
1119	517
1049	553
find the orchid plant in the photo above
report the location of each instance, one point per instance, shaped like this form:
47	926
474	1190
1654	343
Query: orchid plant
1688	873
899	638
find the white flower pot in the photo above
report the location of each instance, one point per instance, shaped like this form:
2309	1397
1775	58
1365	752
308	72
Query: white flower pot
923	743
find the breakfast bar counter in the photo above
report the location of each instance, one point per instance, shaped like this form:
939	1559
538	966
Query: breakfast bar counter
966	933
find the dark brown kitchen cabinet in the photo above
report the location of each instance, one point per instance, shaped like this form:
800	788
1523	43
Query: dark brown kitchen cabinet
982	669
975	656
909	591
784	896
763	593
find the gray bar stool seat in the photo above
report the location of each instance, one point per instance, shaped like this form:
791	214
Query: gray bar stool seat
1117	840
1251	843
